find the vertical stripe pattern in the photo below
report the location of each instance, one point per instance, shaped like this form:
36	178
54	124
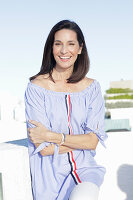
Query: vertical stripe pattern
70	154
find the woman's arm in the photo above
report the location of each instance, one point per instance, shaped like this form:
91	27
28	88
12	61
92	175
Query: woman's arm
83	141
49	150
40	134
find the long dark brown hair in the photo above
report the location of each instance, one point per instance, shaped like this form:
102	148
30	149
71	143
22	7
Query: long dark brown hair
81	65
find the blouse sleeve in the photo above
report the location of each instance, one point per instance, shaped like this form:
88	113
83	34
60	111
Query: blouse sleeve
95	116
35	110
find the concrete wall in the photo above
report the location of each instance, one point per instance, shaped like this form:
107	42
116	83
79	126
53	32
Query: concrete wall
122	113
117	158
14	166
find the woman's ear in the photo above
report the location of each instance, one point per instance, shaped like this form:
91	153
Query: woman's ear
80	49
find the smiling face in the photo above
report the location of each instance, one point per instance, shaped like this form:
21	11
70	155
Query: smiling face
65	48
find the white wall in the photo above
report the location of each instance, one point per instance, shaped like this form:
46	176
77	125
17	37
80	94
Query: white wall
10	104
14	166
118	100
118	160
122	113
12	130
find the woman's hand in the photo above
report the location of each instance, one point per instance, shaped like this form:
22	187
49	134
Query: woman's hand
38	134
49	150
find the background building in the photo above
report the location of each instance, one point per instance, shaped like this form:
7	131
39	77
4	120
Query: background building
119	102
122	84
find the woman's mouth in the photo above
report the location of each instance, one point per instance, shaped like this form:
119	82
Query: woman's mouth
64	58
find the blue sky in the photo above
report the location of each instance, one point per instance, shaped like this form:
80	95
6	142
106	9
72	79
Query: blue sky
107	27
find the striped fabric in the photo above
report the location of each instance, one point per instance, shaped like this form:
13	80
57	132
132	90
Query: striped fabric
70	154
53	177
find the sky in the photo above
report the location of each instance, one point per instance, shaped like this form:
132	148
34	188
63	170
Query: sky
25	25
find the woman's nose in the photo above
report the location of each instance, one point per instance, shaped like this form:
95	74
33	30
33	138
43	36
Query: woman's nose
63	49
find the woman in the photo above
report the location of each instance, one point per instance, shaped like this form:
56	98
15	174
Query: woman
65	120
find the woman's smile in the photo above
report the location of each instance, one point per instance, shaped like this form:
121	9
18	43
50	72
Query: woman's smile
65	58
66	48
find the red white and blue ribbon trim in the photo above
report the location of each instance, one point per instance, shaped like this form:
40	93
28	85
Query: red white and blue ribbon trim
70	154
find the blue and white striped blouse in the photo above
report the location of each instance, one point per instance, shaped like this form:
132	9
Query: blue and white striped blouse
53	177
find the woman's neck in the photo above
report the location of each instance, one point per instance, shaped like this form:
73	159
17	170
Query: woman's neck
61	74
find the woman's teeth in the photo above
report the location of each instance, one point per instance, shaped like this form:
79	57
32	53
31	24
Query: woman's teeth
62	57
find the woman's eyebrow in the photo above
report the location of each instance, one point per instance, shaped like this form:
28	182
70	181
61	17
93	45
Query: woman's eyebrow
71	41
57	41
68	41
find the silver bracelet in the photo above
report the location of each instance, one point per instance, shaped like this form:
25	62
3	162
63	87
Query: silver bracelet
63	138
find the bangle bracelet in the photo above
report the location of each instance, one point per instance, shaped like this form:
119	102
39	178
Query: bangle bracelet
63	138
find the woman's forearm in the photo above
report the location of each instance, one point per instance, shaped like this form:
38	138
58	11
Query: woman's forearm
83	141
65	149
41	134
50	149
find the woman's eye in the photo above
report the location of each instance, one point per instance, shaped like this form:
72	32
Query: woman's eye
57	44
72	44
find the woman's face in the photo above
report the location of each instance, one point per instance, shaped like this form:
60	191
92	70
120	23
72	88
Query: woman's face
65	48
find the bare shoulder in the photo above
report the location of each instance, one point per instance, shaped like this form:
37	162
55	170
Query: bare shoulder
84	83
88	81
41	80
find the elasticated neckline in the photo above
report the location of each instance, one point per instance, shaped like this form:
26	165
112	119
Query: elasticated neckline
63	93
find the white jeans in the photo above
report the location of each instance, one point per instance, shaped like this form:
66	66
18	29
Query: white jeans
85	191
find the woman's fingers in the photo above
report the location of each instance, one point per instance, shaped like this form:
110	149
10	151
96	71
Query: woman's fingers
38	134
28	130
35	123
49	150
